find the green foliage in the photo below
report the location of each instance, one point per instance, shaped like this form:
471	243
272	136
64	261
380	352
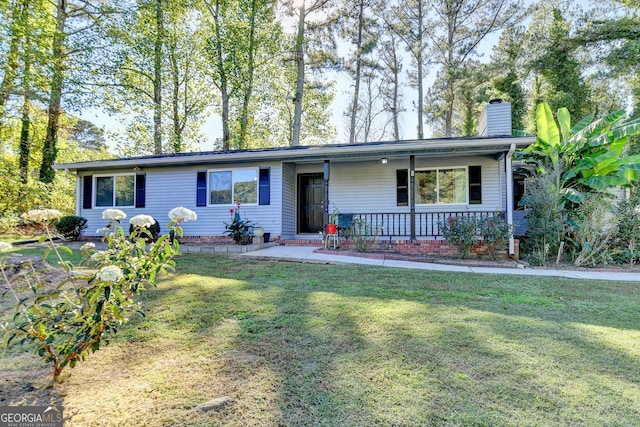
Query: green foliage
560	73
592	152
495	232
363	236
546	217
71	226
147	233
590	232
461	232
239	230
66	321
625	245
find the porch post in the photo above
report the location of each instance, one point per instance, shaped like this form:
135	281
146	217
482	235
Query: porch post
325	202
509	174
412	195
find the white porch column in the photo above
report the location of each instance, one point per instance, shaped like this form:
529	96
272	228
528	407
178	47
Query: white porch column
509	211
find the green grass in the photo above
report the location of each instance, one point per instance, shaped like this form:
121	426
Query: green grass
303	344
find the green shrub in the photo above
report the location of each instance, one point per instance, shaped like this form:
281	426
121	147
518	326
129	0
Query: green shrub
65	321
495	232
362	235
147	233
546	218
71	226
625	247
461	232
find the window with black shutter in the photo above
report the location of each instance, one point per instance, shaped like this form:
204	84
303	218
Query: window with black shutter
402	187
87	191
140	190
201	189
264	187
475	185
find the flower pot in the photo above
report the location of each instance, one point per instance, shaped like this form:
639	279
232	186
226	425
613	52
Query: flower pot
332	228
267	236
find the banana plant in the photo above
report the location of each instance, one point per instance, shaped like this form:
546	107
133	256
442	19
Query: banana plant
591	153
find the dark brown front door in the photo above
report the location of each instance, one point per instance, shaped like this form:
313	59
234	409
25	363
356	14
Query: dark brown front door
311	197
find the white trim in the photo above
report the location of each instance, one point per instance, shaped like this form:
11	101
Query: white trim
441	168
78	196
233	180
94	196
509	178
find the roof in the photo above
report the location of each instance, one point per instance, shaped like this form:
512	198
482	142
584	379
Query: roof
443	147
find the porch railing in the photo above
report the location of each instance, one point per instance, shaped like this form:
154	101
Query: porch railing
427	223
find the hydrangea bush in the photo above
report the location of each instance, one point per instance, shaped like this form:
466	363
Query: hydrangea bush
65	323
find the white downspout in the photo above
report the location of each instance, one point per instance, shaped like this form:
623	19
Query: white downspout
509	210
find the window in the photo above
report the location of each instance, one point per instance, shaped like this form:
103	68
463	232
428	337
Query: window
441	186
117	190
227	187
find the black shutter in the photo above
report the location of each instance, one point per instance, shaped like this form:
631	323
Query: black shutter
264	187
402	187
87	193
201	189
140	189
475	185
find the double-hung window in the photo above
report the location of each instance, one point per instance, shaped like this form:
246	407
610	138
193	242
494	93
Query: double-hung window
232	186
115	190
441	186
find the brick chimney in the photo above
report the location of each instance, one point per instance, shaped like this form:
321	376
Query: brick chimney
495	119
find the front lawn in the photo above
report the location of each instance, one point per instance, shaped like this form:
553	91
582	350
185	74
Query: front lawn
306	344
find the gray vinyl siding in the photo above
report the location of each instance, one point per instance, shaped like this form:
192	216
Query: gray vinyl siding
288	200
367	187
495	120
167	188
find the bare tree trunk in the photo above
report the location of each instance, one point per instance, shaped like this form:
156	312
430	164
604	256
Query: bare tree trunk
224	85
356	90
157	79
420	63
297	113
25	141
11	67
49	149
244	114
176	137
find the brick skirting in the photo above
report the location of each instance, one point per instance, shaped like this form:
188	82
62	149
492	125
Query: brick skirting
409	247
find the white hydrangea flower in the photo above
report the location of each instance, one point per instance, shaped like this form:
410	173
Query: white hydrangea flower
87	246
113	214
142	221
98	256
102	230
42	215
4	246
110	273
182	214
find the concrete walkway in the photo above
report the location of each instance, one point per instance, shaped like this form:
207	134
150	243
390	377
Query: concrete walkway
308	254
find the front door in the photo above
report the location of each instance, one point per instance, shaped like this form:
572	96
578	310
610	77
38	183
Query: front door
311	198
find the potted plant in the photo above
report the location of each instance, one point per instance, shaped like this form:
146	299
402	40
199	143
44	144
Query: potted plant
239	230
332	227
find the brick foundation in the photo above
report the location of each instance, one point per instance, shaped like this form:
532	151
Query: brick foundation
410	247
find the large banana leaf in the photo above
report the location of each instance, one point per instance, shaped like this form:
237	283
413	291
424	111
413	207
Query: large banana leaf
582	124
547	129
564	119
602	183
